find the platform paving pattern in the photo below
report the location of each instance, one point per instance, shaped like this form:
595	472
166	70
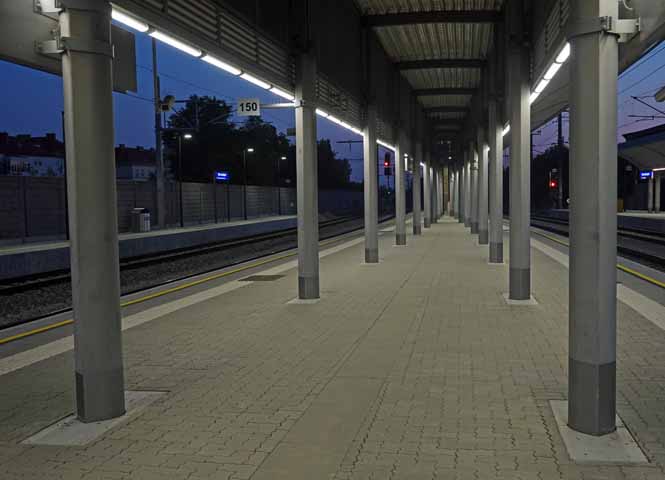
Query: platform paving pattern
411	369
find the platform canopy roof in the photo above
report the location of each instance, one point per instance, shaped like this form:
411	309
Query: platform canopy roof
441	48
645	149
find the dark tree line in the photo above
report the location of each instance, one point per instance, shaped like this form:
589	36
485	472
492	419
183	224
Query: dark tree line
219	144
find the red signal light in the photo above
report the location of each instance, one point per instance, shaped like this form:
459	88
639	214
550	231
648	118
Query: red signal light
386	164
553	184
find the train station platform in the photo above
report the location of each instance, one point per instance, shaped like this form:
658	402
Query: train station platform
414	368
44	257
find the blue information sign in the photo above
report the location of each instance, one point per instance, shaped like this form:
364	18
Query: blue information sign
646	175
222	176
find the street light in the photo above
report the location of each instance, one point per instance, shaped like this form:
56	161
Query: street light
187	136
279	187
244	167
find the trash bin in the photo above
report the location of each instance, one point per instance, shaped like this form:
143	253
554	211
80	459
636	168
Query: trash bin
140	220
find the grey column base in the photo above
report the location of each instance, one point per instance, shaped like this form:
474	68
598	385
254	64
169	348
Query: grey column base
460	220
483	237
400	239
434	220
371	255
308	288
417	230
519	284
101	397
427	223
467	223
496	252
474	228
591	397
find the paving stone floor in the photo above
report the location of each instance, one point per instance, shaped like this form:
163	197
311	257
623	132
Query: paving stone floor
411	369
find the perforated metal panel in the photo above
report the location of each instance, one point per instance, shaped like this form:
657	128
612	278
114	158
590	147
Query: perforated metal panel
221	31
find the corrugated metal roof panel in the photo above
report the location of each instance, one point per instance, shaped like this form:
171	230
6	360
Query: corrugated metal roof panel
431	101
446	115
436	40
443	77
374	7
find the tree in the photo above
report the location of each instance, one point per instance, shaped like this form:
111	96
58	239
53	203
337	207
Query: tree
218	144
333	172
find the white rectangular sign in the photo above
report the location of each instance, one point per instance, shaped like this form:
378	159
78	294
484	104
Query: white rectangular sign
248	107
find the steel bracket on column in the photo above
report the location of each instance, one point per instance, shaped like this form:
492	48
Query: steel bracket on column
624	29
56	6
70	44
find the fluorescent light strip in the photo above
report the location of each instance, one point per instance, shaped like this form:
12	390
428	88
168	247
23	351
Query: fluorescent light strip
256	81
175	43
282	93
564	54
549	75
129	21
222	65
321	113
541	86
552	71
385	145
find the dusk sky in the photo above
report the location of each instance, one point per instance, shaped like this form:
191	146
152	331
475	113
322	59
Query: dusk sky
32	100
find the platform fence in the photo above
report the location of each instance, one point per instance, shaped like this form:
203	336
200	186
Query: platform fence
35	208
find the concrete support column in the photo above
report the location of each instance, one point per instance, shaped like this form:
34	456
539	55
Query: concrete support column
474	188
400	194
417	227
435	218
483	189
467	190
495	184
427	191
307	178
520	161
657	192
442	191
437	213
456	193
371	187
460	191
650	195
593	223
451	187
93	228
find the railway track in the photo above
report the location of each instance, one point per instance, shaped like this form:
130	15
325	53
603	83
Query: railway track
46	295
645	246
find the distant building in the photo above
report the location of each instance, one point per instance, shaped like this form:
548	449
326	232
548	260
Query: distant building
25	155
136	163
642	157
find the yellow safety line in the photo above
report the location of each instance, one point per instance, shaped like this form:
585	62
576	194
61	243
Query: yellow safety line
163	292
36	331
621	267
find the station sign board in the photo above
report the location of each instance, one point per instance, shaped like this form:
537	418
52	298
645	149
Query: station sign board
222	176
645	175
248	107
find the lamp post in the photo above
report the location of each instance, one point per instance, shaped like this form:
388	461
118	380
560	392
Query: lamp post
244	168
187	136
279	187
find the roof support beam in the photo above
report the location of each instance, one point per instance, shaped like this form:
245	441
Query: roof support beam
441	63
444	91
448	16
447	110
445	122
